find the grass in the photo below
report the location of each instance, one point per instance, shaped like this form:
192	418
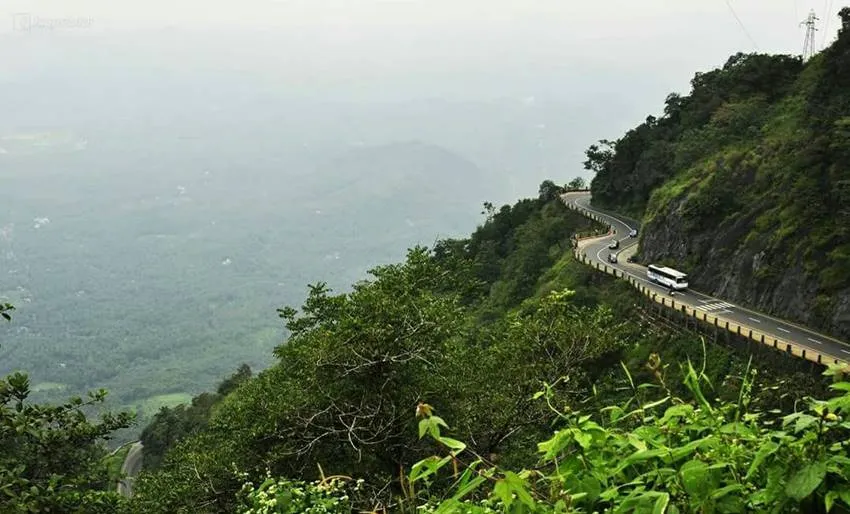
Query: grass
150	406
115	461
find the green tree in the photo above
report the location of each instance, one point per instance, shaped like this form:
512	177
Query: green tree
577	183
549	191
52	456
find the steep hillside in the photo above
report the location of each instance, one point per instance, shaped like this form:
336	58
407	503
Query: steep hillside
745	183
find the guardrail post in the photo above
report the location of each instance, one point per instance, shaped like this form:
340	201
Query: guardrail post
804	354
751	334
662	302
727	325
739	329
819	359
762	339
775	343
788	348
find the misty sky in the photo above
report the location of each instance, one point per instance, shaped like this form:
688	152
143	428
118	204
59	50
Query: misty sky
611	62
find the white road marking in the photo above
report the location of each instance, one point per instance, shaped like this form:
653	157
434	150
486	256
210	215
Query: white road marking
716	306
814	340
756	320
782	329
845	351
727	311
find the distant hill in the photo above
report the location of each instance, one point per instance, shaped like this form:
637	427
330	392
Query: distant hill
745	183
406	191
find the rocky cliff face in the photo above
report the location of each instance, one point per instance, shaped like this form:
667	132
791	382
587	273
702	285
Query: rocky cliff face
722	262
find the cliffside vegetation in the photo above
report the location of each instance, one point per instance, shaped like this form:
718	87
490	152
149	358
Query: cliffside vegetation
745	183
473	330
505	337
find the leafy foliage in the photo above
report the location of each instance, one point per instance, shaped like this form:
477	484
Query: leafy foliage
52	456
282	496
669	454
350	387
170	425
356	363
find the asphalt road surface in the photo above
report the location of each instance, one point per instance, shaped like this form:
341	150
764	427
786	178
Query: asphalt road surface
597	250
131	467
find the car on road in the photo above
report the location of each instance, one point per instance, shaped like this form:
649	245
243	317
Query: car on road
614	245
612	258
633	232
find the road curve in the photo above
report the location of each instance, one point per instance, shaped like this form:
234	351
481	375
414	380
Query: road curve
597	250
131	467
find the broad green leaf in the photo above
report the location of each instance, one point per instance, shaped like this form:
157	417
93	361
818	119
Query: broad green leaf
829	500
513	484
591	487
766	449
692	383
691	447
806	480
661	504
656	403
844	494
450	506
696	478
615	413
628	375
503	490
518	487
676	411
427	467
553	447
431	425
637	443
583	439
804	422
641	455
839	464
471	486
723	491
454	444
841	386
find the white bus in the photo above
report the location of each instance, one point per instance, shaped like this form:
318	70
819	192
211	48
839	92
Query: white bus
667	277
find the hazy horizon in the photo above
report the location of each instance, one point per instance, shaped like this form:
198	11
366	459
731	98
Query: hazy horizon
170	174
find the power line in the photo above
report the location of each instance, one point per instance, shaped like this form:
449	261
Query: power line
829	14
741	23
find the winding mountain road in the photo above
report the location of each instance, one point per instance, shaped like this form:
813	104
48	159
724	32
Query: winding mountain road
131	467
830	349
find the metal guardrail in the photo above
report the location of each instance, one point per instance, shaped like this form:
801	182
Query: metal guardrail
740	329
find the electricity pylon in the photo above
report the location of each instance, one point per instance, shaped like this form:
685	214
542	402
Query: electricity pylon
811	29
